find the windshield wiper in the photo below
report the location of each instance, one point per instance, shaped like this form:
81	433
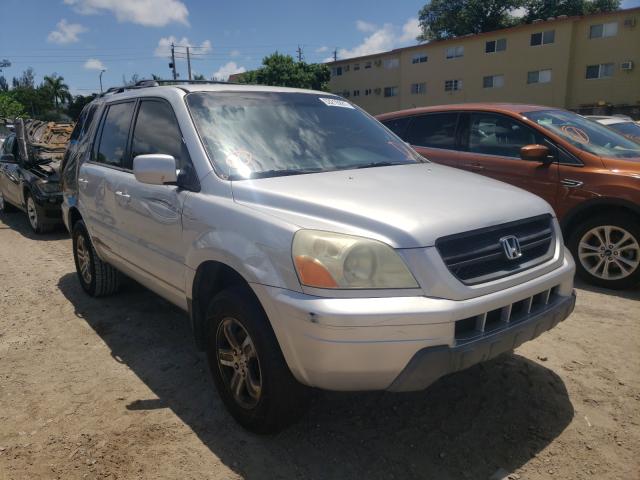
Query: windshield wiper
277	173
379	164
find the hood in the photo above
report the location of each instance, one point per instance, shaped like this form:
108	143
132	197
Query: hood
47	171
406	206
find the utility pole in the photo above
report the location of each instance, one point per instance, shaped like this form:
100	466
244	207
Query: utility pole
335	54
189	62
172	65
101	72
299	50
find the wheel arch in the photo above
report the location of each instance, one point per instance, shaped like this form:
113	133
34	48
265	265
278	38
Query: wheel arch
211	277
596	207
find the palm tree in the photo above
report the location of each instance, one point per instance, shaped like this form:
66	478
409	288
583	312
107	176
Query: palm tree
56	87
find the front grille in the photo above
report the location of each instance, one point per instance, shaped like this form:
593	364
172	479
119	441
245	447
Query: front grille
478	256
472	328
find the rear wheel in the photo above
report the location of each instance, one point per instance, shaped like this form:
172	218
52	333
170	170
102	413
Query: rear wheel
35	216
607	251
247	364
97	278
5	207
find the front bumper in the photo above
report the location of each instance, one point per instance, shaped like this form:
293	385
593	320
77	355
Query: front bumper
387	343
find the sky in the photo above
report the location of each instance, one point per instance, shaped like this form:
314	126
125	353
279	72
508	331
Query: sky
79	38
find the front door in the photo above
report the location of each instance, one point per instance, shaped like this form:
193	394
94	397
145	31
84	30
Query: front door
10	172
492	148
150	216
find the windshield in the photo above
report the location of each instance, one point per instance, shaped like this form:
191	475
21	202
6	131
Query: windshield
585	134
630	130
263	134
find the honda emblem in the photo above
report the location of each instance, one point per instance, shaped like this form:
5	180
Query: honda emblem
511	247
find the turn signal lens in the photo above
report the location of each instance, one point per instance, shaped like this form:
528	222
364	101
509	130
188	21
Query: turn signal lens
313	273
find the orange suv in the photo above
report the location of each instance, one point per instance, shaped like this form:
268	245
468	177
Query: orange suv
587	172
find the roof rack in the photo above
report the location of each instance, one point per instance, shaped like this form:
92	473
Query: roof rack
159	83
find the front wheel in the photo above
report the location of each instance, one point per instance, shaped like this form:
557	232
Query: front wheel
247	365
607	251
35	215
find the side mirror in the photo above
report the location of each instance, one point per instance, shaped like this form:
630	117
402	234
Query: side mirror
155	169
536	153
7	158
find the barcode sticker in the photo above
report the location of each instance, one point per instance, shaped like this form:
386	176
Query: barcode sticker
334	102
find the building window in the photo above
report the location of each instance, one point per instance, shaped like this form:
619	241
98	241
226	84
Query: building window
367	65
419	58
539	76
543	38
603	30
347	68
493	81
391	63
455	52
452	85
418	88
356	66
493	46
604	70
336	71
356	93
367	92
390	91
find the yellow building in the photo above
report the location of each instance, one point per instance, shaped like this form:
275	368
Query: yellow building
571	62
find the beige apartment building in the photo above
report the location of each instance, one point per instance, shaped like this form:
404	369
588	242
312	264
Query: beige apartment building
572	62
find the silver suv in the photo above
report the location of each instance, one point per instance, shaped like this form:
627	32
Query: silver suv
310	246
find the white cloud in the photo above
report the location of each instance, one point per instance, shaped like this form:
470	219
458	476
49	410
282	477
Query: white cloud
94	64
66	32
381	39
164	46
366	27
227	69
150	13
234	53
410	30
322	49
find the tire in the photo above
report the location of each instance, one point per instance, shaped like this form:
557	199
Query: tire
279	399
34	214
615	268
5	207
97	278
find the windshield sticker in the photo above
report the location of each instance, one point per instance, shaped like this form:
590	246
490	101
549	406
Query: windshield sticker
334	102
576	134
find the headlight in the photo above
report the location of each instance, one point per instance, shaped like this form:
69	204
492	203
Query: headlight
333	260
49	187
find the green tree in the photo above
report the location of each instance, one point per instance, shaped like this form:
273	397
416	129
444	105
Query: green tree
9	107
552	8
77	104
58	90
26	80
4	86
283	71
199	76
442	19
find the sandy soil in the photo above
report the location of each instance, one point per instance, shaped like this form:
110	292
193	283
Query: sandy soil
114	388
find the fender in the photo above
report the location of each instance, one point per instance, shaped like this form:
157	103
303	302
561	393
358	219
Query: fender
596	203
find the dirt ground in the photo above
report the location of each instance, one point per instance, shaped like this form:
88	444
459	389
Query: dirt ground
114	388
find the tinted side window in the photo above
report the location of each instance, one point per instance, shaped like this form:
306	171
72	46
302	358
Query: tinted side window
115	131
494	134
437	130
157	131
398	126
7	146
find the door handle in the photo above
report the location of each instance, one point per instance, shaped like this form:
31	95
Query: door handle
568	182
123	195
83	180
475	166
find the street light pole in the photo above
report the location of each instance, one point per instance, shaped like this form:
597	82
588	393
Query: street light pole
101	72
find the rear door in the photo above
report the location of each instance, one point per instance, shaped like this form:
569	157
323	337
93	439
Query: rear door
149	217
434	136
10	174
98	178
491	144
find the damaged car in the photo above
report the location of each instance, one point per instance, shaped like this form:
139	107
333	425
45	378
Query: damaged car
30	171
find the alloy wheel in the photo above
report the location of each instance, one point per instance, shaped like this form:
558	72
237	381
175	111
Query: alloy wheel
238	363
32	213
609	252
84	259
